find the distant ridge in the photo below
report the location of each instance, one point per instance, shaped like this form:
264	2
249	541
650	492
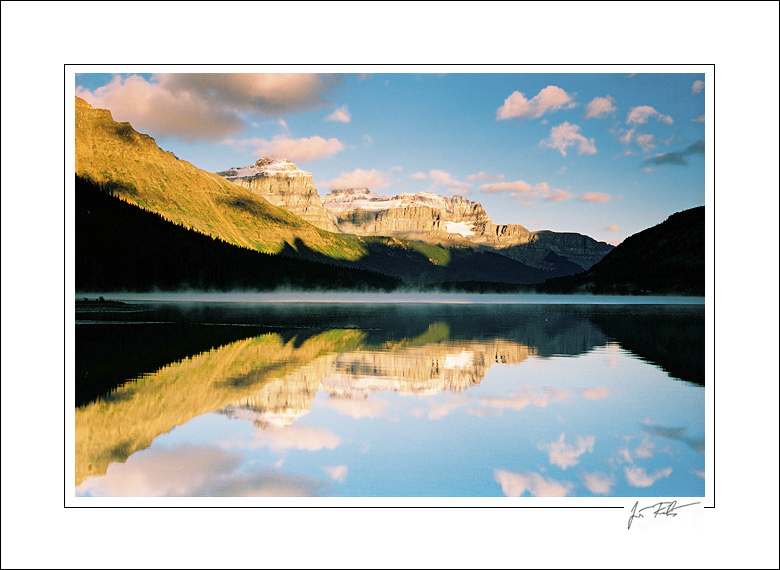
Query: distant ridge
457	221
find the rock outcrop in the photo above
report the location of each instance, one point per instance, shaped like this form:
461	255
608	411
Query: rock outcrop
450	366
424	216
430	369
458	221
281	182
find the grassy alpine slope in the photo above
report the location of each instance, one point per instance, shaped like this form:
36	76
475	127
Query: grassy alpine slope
138	171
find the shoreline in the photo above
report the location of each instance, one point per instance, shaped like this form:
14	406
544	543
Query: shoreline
411	297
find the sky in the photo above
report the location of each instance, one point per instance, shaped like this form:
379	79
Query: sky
603	154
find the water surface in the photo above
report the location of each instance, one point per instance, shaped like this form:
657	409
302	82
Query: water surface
381	400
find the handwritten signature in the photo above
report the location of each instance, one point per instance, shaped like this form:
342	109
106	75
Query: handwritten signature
664	508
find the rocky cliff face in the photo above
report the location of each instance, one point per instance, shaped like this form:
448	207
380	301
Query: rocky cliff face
424	216
281	182
429	369
354	375
458	221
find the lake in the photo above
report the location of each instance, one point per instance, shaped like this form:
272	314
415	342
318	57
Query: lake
450	396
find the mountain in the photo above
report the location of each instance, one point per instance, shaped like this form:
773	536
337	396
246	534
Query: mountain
665	259
130	167
122	247
457	221
281	183
424	217
179	391
135	169
422	239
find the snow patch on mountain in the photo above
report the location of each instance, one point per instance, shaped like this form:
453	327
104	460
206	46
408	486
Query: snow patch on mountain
462	360
266	166
461	228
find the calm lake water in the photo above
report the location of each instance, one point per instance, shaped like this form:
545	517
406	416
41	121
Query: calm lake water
378	400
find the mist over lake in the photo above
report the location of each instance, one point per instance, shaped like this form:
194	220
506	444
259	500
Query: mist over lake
418	396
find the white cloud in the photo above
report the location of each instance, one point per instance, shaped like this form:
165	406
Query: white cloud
337	473
292	437
441	179
359	178
644	449
358	408
566	135
612	228
549	100
151	108
598	484
639	115
485	176
521	189
556	195
367	140
595	197
600	107
206	106
340	115
516	484
564	455
596	393
519	400
698	86
265	93
295	150
646	141
441	409
699	119
190	471
638	477
625	454
517	186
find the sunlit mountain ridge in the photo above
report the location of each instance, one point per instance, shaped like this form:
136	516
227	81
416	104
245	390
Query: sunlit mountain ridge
130	167
158	402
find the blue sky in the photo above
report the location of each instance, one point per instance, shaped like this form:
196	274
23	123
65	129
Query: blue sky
607	155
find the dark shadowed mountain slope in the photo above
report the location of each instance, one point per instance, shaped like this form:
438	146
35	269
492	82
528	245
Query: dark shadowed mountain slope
665	259
122	247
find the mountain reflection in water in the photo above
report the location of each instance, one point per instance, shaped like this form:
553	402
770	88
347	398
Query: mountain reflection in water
278	359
